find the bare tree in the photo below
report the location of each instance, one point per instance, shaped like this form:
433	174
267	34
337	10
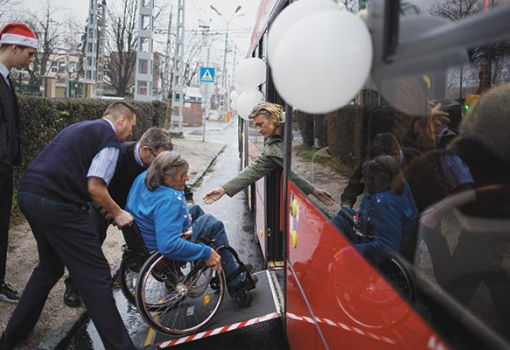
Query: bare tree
48	33
121	46
455	10
491	56
5	6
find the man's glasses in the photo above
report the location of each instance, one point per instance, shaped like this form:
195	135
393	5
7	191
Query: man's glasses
152	152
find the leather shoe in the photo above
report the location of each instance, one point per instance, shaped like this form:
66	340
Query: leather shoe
71	296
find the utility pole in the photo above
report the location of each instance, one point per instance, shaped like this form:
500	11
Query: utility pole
91	45
100	57
207	87
224	78
177	81
145	52
224	73
166	72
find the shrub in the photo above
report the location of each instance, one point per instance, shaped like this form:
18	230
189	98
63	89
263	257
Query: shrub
42	119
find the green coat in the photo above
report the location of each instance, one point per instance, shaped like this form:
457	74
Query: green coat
270	159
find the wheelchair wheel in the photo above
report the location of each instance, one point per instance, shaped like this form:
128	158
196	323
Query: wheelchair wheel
177	297
374	298
128	280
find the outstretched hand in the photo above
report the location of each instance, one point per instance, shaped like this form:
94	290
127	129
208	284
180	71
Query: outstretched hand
324	196
213	195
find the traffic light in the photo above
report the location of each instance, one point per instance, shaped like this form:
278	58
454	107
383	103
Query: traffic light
470	102
362	4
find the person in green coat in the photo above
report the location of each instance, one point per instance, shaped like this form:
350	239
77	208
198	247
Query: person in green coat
268	119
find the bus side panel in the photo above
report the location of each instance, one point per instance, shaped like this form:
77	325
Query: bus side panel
352	305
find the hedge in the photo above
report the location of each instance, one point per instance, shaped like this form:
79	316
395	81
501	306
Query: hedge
42	119
351	129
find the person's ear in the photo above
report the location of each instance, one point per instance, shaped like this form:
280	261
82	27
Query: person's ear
122	120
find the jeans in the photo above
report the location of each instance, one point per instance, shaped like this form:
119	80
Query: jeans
207	226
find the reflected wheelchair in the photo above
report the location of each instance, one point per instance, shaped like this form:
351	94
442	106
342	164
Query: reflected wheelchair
175	297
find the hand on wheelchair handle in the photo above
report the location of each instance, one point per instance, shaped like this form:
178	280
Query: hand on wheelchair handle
214	261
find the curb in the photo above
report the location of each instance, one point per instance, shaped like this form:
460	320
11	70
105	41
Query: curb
60	340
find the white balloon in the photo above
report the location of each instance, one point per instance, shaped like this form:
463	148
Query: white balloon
248	99
233	106
289	16
324	74
251	72
234	95
240	89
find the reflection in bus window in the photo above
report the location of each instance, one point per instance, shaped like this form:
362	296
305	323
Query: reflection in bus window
451	124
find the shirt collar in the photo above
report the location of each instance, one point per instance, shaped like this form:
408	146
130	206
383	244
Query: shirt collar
4	70
111	124
137	155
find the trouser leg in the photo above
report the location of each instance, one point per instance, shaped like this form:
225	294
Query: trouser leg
48	271
101	226
72	236
6	188
209	227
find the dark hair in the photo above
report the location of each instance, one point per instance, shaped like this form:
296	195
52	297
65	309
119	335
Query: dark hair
384	144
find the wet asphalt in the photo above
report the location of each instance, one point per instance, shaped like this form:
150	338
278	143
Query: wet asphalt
238	221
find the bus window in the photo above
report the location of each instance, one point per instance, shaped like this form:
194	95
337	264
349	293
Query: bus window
460	261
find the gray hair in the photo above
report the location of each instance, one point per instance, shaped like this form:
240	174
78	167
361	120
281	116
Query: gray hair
155	138
166	163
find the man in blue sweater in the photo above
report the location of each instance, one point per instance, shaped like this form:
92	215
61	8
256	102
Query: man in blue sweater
73	170
134	158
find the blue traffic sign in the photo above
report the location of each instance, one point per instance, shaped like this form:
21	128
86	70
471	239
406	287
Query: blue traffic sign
207	74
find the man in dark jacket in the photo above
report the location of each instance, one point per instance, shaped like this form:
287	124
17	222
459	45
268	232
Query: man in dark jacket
73	170
134	158
18	46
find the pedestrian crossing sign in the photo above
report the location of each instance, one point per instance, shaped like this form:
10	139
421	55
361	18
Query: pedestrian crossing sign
207	74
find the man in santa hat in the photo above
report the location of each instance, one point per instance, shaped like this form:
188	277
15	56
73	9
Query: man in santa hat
18	46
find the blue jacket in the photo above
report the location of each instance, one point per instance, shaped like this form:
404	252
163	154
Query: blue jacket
162	216
392	218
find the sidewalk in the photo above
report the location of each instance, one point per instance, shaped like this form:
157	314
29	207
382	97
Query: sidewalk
57	320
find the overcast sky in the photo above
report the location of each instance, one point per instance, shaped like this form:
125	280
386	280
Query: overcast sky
196	11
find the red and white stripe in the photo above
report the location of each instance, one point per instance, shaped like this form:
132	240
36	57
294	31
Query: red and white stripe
341	325
219	330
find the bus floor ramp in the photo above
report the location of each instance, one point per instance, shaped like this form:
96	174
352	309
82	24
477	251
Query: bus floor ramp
230	317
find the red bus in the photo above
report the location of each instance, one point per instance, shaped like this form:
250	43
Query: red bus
427	53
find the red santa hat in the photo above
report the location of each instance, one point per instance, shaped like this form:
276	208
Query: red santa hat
18	34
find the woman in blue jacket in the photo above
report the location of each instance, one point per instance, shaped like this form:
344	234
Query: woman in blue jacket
387	214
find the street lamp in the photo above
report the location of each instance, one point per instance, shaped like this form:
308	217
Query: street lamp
223	77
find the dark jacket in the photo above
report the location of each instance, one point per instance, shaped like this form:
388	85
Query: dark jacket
355	188
126	171
9	128
425	176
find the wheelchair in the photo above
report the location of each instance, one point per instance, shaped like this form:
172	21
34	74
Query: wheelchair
175	297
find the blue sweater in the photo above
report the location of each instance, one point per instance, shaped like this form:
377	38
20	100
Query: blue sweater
162	216
391	217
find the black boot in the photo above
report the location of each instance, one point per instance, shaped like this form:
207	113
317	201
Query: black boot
71	296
